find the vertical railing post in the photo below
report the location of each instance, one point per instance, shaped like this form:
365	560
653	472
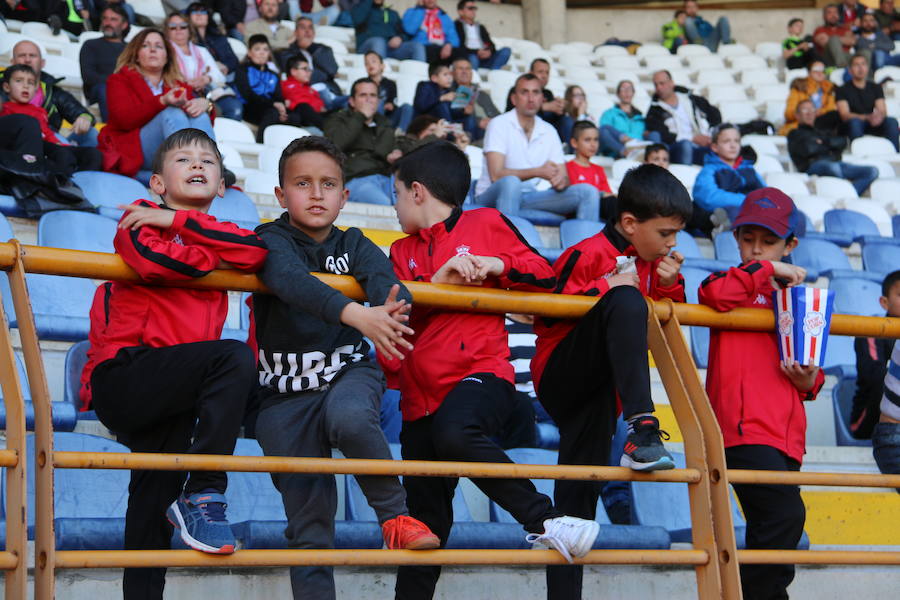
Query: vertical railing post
44	538
709	581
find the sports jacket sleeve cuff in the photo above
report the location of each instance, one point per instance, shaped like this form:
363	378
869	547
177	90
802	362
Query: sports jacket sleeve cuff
334	307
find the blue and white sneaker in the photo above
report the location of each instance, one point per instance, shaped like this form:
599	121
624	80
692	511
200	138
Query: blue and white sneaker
644	450
200	518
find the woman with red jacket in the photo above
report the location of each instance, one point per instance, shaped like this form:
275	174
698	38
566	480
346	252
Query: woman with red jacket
148	101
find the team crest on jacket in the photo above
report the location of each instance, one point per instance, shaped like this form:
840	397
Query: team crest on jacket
462	250
412	264
177	240
760	299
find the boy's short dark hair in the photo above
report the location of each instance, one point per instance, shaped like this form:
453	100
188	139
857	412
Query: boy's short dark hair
420	124
580	127
360	81
294	62
654	148
679	12
719	129
889	282
461	3
182	138
375	54
311	143
649	191
13	69
435	68
794	20
439	166
257	38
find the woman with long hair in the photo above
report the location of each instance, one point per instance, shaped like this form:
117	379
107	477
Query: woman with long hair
622	123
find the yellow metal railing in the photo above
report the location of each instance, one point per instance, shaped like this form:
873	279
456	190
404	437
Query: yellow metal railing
714	556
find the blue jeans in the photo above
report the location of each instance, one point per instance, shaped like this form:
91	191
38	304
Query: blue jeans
511	197
494	61
402	116
610	143
99	92
855	128
230	108
861	176
88	139
406	50
332	101
687	152
371	189
880	58
886	448
329	12
164	124
720	34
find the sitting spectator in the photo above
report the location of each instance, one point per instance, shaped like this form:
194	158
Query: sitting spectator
673	34
872	40
380	30
401	115
20	85
199	68
585	142
483	107
851	12
367	138
98	56
797	50
269	25
424	129
205	33
577	104
522	154
700	31
681	119
726	178
327	15
148	102
861	106
259	88
58	103
821	92
818	152
232	13
623	123
872	356
657	154
888	19
300	98
474	38
834	40
553	110
435	97
321	58
429	25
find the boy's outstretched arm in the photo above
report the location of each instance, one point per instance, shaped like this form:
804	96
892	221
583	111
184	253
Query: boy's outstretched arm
670	282
383	324
725	290
523	268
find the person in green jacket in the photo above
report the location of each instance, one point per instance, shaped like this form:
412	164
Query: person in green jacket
673	32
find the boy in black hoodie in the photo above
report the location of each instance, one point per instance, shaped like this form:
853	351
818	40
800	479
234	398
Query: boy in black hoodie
322	391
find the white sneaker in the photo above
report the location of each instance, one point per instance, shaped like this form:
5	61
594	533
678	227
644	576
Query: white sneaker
571	536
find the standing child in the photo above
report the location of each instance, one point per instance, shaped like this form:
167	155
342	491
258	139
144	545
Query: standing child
757	400
457	385
258	87
585	142
157	373
586	369
673	32
300	98
321	390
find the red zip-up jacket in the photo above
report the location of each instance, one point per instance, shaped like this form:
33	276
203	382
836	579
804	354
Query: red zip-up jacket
582	270
35	112
755	403
449	345
126	314
301	93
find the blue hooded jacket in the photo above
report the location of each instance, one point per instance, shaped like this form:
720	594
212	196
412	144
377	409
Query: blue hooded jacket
412	25
719	185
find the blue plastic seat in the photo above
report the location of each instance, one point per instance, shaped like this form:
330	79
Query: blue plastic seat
10	208
823	258
693	277
727	249
76	230
573	231
881	259
895	225
688	247
842	403
840	357
61	306
6	234
856	296
76	358
107	191
859	227
235	207
531	235
808	230
243	331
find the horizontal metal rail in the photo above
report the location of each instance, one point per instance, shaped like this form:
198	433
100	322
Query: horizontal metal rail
807	478
818	557
8	561
9	458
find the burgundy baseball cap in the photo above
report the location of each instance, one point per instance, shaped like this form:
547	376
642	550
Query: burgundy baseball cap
770	208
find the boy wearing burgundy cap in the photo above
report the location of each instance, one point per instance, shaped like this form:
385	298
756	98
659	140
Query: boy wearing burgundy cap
758	400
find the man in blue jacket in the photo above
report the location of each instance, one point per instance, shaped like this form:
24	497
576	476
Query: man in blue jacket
427	24
379	30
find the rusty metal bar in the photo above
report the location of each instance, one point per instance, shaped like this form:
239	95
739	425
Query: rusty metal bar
8	458
818	557
10	563
103	559
807	478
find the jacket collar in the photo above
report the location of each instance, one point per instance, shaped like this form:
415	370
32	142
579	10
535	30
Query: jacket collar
617	240
444	227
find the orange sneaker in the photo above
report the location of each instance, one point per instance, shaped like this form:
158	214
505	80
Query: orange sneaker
406	533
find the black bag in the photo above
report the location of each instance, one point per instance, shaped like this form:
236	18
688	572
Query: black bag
37	187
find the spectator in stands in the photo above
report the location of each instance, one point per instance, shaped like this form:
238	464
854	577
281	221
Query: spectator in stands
399	114
148	102
321	58
379	29
888	19
483	107
521	155
726	178
585	142
797	50
681	119
821	92
334	402
368	140
429	25
269	25
879	45
860	103
673	34
233	13
157	373
327	15
205	33
98	56
758	401
872	355
657	154
476	40
435	97
29	11
834	40
701	31
577	104
818	152
622	123
260	89
58	103
299	96
886	437
851	12
553	110
424	129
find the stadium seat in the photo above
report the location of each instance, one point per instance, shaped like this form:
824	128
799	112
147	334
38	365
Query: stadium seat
873	146
705	62
733	50
761	144
727	248
237	134
60	306
238	47
688	247
573	231
9	207
278	137
834	187
792	184
261	184
109	190
842	403
235	207
713	77
688	50
776	92
820	257
855	225
748	62
76	230
766	164
721	94
63	414
814	207
895	224
76	357
693	277
755	77
654	51
768	50
531	235
886	192
840	357
6	234
243	319
881	259
686	174
622	166
739	112
876	212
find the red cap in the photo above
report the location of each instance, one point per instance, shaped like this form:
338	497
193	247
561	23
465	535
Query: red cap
770	208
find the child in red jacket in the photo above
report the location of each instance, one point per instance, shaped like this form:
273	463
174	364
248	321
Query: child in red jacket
157	373
299	96
456	384
758	401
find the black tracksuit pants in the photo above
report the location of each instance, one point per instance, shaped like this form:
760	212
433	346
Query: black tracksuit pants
775	516
460	430
605	355
183	398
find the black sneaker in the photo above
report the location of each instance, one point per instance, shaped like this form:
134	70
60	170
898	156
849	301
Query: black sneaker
644	450
55	24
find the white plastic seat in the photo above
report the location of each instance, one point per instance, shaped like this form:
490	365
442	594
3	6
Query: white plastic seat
8	40
713	77
337	47
575	59
88	35
659	62
738	112
576	75
69	69
886	191
771	51
414	68
238	47
774	92
729	50
622	166
761	143
261	184
655	50
756	77
406	91
42	31
279	136
686	174
476	160
747	62
870	145
837	77
814	207
719	94
835	187
692	50
792	184
238	135
268	159
885	170
153	9
626	62
774	112
792	74
342	34
604	51
132	32
705	61
766	163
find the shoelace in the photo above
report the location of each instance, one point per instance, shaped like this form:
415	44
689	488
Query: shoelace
213	511
552	541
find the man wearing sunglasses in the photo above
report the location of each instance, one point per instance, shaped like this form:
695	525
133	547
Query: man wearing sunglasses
475	39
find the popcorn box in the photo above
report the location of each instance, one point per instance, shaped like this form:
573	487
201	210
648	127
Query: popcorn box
802	320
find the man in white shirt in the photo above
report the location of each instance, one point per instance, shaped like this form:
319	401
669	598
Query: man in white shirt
524	172
475	39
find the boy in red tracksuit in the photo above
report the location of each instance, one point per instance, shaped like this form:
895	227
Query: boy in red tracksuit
157	373
758	401
456	384
299	96
588	370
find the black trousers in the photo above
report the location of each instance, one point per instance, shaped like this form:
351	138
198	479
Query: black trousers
21	134
604	355
775	517
307	115
183	398
460	429
433	54
68	159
